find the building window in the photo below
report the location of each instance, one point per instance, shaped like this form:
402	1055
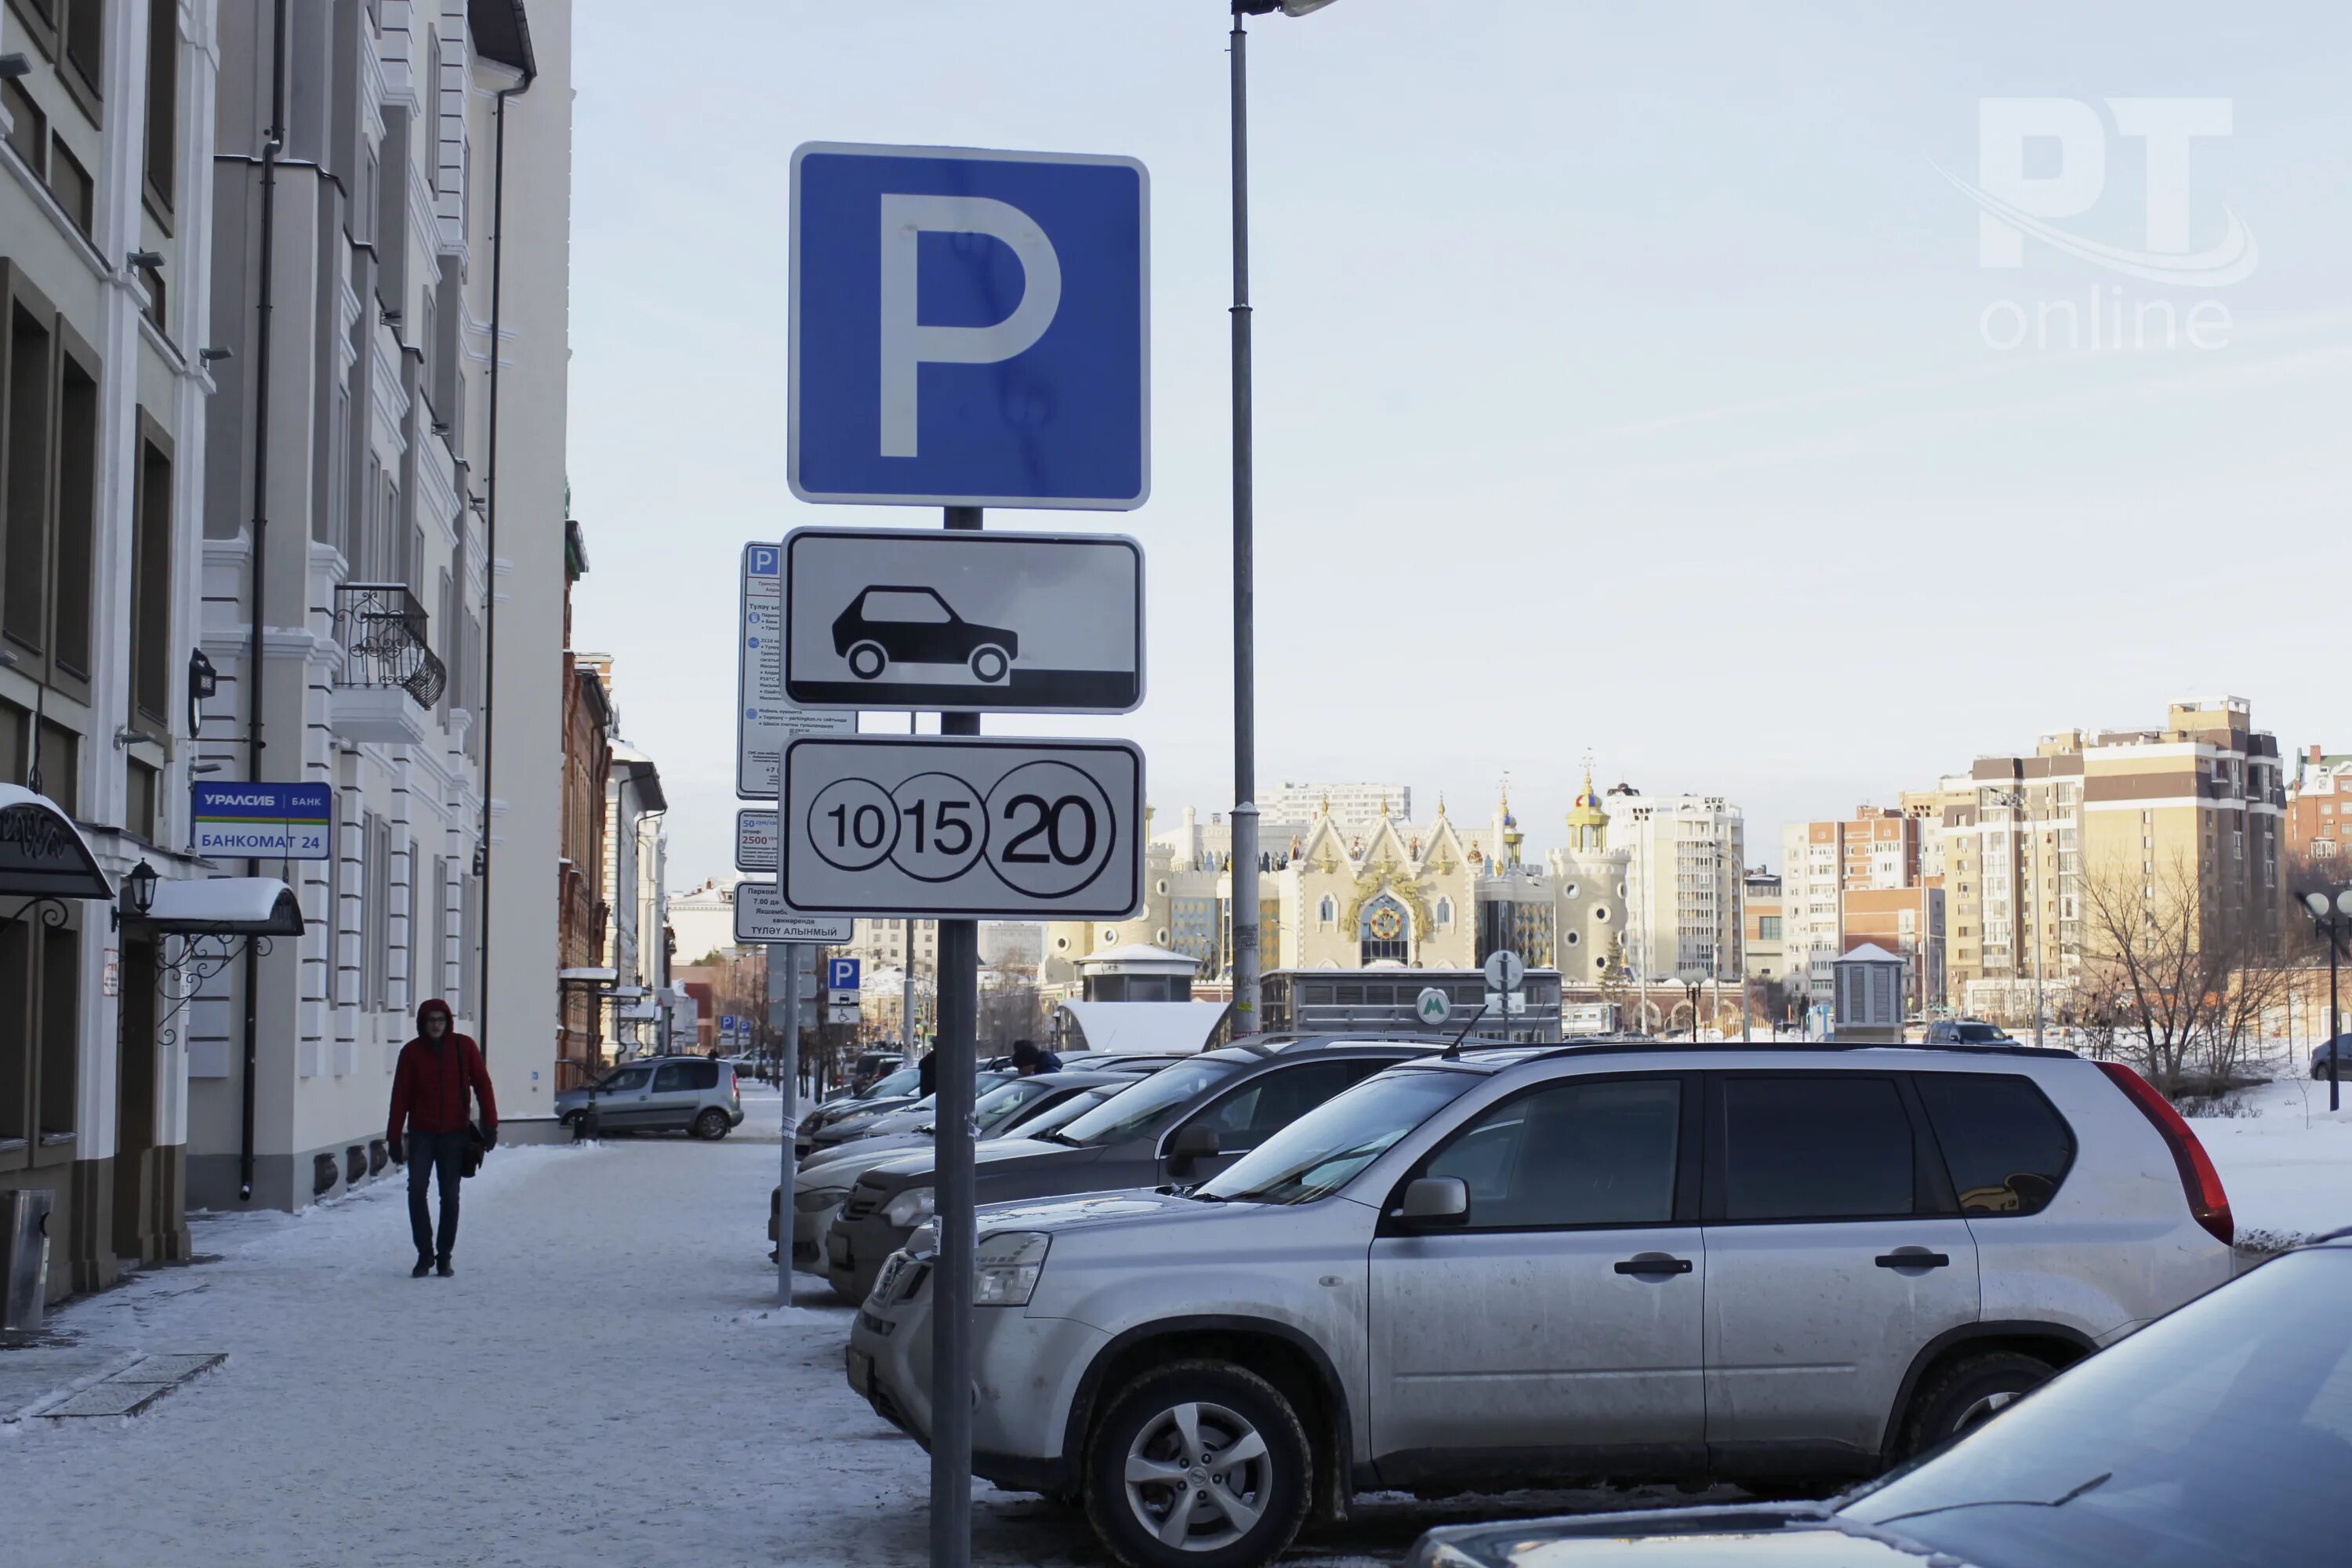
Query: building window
151	585
85	41
1383	931
142	790
1445	911
28	129
48	476
162	98
1327	913
71	185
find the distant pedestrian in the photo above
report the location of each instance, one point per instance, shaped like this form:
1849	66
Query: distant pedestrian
1029	1059
439	1070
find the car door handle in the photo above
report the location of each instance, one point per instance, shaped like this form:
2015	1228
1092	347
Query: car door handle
1913	1257
1654	1263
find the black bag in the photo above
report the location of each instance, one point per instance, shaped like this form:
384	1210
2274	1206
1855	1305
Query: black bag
475	1145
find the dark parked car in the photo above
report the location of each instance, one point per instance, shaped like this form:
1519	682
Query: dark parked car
2220	1436
915	626
1967	1032
2337	1052
1183	1123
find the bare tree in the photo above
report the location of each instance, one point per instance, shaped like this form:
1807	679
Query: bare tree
2167	985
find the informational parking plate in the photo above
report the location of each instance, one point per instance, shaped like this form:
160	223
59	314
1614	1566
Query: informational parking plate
755	841
761	916
764	718
958	829
1039	623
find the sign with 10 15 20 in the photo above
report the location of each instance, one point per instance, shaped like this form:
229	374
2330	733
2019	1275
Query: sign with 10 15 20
955	827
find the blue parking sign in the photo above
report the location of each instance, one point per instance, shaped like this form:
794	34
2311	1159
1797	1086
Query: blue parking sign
970	328
841	974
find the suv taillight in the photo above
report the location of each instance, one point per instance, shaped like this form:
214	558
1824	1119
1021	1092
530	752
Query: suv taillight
2199	1182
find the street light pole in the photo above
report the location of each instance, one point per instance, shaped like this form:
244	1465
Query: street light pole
1246	967
2331	916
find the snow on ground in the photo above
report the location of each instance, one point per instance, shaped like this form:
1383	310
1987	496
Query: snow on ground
608	1380
2285	1160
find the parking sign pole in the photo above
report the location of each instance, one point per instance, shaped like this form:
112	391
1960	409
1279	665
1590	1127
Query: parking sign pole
788	1062
957	983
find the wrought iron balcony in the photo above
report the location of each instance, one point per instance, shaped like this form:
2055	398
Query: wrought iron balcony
381	628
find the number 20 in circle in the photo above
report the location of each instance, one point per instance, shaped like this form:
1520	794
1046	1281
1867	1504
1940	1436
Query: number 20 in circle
1050	829
942	828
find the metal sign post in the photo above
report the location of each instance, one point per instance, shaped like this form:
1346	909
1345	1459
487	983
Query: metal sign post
789	1069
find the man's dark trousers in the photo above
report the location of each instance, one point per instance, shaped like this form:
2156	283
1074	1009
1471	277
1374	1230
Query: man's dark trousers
428	1151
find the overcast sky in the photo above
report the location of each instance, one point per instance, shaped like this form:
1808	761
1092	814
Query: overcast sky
1628	380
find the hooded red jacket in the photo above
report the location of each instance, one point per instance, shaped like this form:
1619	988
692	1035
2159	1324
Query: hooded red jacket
428	1086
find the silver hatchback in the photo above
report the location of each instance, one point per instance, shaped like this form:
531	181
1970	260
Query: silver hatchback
661	1094
1617	1262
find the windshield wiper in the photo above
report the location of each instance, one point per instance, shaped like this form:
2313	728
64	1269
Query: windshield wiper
2060	1501
1050	1136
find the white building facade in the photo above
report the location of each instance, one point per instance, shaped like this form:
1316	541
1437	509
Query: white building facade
636	871
365	142
105	154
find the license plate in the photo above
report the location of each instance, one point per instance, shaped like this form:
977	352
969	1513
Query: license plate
861	1374
837	1248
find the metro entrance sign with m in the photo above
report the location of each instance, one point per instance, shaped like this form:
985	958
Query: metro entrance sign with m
969	328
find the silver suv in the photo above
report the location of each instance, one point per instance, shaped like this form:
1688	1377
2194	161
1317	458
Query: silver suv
1612	1261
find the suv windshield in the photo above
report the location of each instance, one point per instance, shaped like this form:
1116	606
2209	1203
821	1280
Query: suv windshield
1321	1152
906	1081
1131	1111
2201	1439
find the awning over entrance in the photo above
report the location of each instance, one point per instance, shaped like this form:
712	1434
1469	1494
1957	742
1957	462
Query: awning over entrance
224	906
42	854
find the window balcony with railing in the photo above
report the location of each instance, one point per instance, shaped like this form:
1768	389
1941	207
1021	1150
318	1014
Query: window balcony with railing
390	678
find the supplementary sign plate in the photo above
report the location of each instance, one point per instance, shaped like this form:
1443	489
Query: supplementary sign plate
761	916
755	841
963	828
764	718
1040	622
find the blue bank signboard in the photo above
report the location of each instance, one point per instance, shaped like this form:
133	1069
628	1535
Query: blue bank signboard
970	328
264	821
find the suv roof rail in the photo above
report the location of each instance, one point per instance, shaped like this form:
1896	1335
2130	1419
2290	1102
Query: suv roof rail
1607	1045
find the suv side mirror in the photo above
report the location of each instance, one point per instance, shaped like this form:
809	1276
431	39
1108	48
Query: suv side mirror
1435	1200
1194	1141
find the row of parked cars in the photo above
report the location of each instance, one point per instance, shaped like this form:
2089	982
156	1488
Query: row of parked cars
1218	1299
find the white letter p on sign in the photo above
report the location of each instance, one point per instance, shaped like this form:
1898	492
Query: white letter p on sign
906	344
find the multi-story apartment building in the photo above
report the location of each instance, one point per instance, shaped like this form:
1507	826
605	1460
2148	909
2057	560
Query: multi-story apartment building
388	278
1350	804
1763	939
2318	818
1686	873
106	222
1861	881
2190	813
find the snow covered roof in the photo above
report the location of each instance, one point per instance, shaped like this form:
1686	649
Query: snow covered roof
1142	1028
1139	953
224	906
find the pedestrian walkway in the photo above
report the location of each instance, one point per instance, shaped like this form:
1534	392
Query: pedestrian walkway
604	1380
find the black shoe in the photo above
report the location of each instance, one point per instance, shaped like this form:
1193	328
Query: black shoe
444	1269
424	1266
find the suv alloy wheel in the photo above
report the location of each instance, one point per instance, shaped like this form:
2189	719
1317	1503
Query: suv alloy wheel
1198	1465
711	1123
1968	1392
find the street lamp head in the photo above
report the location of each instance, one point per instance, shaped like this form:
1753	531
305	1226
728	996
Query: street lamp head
1287	7
2344	900
2318	904
141	888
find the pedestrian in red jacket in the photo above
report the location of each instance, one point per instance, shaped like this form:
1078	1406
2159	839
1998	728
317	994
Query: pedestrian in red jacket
438	1072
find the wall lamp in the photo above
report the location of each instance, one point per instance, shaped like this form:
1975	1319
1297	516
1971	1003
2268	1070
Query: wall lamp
209	355
150	260
14	65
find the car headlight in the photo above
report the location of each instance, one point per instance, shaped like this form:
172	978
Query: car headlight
808	1200
910	1207
1004	1269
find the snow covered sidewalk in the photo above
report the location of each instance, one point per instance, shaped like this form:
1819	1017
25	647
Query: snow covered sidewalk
604	1380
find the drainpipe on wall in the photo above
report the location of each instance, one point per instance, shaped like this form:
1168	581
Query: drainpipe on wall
490	527
273	141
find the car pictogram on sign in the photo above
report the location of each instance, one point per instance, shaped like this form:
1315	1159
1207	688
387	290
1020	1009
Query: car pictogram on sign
913	625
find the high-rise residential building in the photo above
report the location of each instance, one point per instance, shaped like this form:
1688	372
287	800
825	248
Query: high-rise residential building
106	231
1860	881
2318	818
364	145
1763	927
1686	873
1350	804
2187	814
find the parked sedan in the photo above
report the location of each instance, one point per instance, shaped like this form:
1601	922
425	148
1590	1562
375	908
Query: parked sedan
896	1117
2220	1436
889	1092
1185	1122
2336	1053
1024	1107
